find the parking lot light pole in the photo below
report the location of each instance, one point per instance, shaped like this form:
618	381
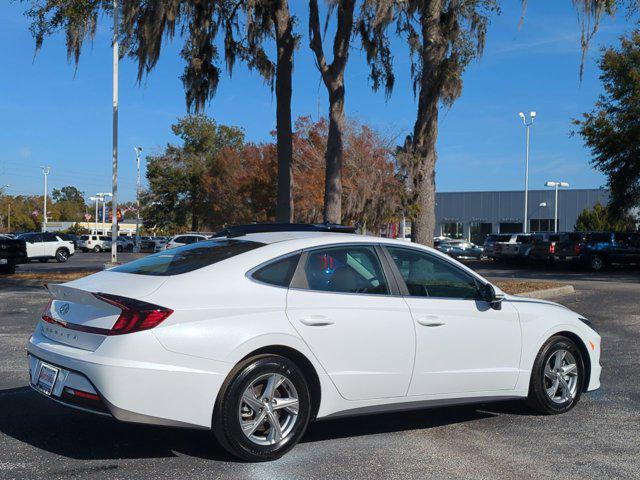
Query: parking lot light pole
45	172
556	185
114	186
96	199
138	153
103	197
527	125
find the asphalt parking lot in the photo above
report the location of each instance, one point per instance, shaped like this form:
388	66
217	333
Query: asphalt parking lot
600	438
78	261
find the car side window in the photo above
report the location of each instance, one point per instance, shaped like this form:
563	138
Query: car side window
50	237
279	272
35	238
345	269
429	276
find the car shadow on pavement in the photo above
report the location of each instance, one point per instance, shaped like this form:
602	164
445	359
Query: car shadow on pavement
43	424
31	419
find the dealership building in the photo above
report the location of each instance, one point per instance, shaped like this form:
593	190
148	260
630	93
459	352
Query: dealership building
474	215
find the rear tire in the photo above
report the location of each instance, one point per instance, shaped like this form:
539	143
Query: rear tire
97	249
557	377
62	255
245	409
597	263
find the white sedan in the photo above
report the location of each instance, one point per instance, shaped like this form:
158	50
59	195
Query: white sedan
256	335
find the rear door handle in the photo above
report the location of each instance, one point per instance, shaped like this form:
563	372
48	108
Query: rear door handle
430	321
316	321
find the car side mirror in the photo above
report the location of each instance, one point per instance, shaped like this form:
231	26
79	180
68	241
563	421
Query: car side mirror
491	296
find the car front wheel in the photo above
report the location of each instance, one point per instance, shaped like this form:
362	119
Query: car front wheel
557	377
97	249
263	408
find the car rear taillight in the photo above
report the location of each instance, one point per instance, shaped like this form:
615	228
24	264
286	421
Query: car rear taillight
576	248
46	313
136	315
552	248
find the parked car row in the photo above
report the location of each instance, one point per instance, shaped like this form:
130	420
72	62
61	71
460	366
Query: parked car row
595	250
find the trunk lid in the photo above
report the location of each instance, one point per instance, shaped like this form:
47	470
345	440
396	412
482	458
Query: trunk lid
80	319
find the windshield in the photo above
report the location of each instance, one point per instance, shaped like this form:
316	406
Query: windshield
187	258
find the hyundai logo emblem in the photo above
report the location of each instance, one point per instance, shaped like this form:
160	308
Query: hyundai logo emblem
64	309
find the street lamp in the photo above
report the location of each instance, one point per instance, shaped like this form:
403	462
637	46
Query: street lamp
138	151
103	198
45	172
527	124
556	185
97	198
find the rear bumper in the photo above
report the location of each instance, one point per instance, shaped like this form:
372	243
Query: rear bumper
136	378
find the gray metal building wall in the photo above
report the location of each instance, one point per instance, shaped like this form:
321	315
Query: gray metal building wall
508	206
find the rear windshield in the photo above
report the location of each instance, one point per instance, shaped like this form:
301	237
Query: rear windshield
188	258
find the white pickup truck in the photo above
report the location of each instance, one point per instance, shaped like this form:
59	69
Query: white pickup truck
46	245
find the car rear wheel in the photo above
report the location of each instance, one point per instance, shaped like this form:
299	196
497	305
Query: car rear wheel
597	263
62	255
97	249
119	248
557	377
263	408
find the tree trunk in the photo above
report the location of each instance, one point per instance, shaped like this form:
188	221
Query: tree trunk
334	157
333	78
194	217
285	43
425	130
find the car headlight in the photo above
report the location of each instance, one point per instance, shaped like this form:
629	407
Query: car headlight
588	323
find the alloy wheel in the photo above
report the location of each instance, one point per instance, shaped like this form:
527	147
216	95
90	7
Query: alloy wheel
62	256
561	376
597	263
268	409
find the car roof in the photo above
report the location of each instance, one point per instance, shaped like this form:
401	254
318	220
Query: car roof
313	238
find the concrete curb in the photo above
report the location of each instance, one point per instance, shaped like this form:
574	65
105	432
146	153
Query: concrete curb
549	292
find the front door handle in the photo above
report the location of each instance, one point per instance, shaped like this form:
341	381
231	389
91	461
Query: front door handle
316	321
430	321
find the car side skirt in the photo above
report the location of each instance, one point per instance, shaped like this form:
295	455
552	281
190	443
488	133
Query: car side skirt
417	405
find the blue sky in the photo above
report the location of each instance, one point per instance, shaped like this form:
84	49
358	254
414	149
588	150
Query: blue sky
52	114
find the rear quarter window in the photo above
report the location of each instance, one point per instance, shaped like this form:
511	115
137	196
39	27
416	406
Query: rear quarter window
278	272
187	258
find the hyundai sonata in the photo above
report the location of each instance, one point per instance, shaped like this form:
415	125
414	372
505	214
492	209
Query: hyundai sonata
255	335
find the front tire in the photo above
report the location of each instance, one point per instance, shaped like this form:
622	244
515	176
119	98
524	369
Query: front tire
97	249
263	408
557	377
